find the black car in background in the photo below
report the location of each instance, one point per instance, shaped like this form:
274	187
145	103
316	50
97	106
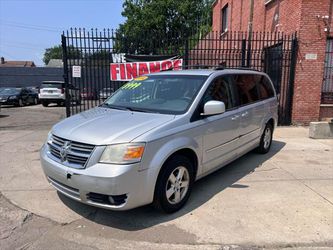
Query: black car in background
18	96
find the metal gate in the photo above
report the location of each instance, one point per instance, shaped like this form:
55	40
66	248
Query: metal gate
327	89
87	56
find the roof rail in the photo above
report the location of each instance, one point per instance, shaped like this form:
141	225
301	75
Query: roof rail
239	68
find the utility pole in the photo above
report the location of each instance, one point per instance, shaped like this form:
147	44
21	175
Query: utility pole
250	30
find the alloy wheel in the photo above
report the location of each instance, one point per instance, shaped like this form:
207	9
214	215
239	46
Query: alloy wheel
177	185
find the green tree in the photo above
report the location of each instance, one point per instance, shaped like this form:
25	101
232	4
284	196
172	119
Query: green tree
160	24
54	52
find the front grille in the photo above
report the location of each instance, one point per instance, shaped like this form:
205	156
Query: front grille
75	154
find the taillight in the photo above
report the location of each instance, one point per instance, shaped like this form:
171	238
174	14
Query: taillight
62	90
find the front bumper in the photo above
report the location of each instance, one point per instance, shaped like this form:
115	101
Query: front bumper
101	179
9	102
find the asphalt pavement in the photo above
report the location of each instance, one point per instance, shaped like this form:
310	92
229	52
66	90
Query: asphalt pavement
283	199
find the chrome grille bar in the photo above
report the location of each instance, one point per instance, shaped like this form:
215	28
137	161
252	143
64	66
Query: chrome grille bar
77	154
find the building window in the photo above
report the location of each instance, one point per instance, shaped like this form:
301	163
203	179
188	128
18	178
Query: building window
268	1
225	12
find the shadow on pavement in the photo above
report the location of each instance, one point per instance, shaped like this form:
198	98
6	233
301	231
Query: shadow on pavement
203	191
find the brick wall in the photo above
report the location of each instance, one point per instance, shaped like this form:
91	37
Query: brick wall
309	73
288	16
264	15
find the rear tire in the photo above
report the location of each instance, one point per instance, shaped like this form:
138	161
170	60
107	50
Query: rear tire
174	184
20	103
266	139
45	104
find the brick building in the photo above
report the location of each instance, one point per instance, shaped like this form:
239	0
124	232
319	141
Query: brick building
313	22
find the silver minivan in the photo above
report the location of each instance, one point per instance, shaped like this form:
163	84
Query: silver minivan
155	136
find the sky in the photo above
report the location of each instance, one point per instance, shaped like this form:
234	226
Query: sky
28	27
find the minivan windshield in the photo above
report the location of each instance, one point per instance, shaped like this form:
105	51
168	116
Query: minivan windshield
168	94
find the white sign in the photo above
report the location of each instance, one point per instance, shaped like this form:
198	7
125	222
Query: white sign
310	56
129	71
76	71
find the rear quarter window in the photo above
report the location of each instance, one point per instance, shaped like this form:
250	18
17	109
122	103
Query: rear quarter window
265	88
247	88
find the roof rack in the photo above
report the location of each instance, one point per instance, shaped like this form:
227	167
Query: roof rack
239	68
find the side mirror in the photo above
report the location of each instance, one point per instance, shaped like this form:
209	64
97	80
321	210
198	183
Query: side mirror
213	108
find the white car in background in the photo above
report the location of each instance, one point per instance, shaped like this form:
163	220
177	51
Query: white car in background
54	92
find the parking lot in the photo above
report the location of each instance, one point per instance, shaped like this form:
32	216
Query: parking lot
283	199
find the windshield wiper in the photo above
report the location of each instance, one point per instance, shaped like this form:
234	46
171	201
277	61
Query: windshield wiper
127	108
106	105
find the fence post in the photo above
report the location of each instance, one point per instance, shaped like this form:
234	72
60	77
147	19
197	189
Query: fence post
249	44
293	61
65	62
186	53
243	52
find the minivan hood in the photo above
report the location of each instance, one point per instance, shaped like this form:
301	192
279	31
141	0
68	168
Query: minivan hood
102	126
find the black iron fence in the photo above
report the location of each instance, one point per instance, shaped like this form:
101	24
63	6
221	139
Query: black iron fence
87	57
327	89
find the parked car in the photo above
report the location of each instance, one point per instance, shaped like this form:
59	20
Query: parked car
18	97
158	134
35	90
54	92
105	93
89	94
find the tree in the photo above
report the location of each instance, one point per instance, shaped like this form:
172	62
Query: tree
153	24
54	52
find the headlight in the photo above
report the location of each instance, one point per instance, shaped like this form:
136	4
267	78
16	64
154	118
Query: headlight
123	153
12	97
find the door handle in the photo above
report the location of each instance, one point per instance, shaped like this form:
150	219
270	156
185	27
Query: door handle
245	114
235	117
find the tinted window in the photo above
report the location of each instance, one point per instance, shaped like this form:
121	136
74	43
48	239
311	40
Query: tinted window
265	88
219	90
10	91
246	86
52	85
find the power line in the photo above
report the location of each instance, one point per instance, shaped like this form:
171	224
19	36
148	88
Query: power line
30	28
31	25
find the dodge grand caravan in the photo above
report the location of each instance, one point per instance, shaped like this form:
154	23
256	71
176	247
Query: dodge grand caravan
154	137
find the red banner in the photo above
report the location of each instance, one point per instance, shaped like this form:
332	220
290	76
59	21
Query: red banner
128	71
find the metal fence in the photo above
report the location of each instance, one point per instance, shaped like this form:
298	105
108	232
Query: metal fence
93	51
327	89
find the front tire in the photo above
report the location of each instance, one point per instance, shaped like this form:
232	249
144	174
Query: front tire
174	184
266	139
